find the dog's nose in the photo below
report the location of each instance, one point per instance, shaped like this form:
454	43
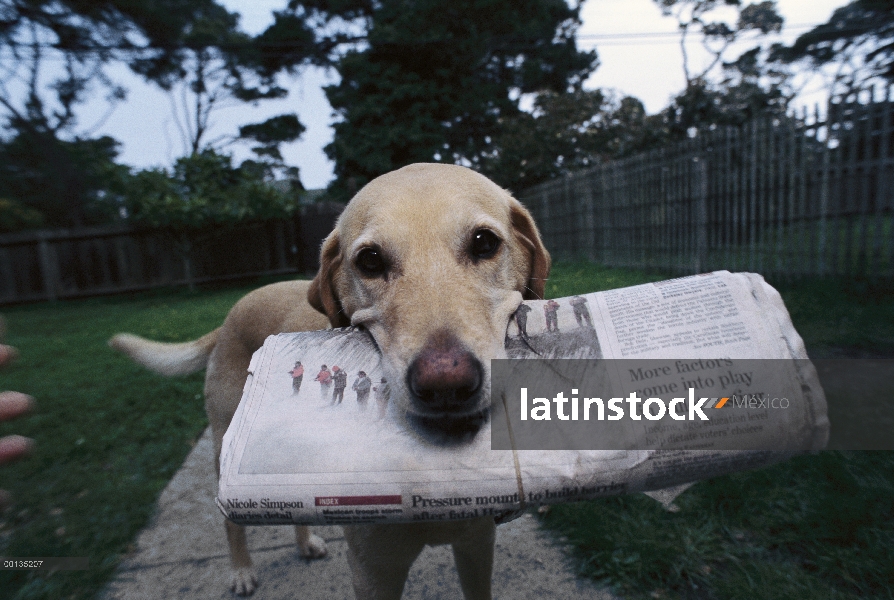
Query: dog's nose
445	377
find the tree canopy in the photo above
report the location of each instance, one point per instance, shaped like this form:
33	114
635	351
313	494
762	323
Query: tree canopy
567	132
53	171
858	39
435	80
700	17
65	182
727	90
212	64
496	85
201	190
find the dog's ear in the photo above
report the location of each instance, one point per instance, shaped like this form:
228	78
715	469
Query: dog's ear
322	294
538	258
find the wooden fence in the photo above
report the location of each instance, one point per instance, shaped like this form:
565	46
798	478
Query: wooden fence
52	264
785	197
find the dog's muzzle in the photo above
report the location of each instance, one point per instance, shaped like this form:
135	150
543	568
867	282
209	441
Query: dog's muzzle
445	383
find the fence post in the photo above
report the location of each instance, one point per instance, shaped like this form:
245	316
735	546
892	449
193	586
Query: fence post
124	272
7	276
589	221
548	226
571	221
279	239
186	244
48	267
881	199
701	216
824	189
609	201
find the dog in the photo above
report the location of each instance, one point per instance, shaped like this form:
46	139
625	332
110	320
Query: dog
432	260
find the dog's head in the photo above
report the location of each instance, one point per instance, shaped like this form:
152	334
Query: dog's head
433	260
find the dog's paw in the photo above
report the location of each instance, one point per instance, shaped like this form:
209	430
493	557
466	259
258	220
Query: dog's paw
244	581
314	548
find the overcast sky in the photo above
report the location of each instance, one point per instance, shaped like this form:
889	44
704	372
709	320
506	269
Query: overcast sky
648	67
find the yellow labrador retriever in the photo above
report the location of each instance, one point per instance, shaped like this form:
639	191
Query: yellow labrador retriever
432	260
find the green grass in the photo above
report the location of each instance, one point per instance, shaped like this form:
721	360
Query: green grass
851	317
109	434
844	244
813	527
819	526
834	316
570	278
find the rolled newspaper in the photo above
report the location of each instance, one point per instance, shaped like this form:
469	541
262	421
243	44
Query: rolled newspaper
317	440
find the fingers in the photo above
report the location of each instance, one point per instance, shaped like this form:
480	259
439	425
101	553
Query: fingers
14	404
13	447
7	354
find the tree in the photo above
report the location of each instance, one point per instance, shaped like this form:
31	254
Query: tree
717	36
750	86
271	133
726	91
568	132
435	81
16	216
207	63
857	42
210	65
83	35
50	172
67	182
203	190
50	164
192	43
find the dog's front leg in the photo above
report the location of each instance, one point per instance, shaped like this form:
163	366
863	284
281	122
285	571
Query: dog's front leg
474	555
244	579
309	545
380	557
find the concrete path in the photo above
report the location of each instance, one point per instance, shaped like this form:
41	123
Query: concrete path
183	554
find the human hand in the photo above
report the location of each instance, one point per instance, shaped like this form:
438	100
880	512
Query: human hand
12	405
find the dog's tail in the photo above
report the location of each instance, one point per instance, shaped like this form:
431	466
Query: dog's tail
167	358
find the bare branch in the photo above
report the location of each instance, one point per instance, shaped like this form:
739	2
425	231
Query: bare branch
684	29
113	106
181	128
222	141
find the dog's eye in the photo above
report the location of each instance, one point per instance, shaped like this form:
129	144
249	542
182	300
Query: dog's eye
485	243
370	262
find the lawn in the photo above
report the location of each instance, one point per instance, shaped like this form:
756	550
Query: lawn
110	435
818	526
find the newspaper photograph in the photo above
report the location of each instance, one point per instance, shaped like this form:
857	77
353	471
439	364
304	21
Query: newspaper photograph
315	439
